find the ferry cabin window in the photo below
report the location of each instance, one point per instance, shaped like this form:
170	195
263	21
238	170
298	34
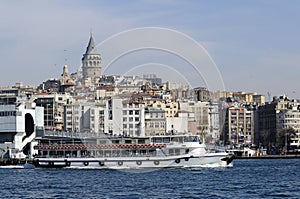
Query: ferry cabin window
191	139
161	140
166	140
177	139
157	140
127	141
141	142
115	141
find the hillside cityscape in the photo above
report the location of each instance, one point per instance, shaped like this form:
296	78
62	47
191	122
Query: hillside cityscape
89	103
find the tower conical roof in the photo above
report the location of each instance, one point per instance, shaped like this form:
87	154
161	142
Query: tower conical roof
91	48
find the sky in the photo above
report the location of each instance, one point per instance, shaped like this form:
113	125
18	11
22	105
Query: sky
254	44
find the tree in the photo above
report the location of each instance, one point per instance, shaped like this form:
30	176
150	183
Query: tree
284	137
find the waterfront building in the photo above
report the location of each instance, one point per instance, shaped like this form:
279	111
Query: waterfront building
288	126
214	121
19	125
268	117
239	125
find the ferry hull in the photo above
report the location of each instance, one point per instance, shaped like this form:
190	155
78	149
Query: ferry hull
210	160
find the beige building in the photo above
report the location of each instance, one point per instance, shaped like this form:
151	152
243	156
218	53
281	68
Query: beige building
201	114
239	126
242	97
155	121
170	107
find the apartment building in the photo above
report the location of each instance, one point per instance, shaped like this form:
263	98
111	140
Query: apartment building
155	121
239	126
53	104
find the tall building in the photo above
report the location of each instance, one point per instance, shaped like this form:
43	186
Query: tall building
239	125
19	124
289	119
268	114
91	62
53	104
155	121
201	114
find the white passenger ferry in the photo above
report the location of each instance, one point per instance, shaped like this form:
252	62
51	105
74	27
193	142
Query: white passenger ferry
129	153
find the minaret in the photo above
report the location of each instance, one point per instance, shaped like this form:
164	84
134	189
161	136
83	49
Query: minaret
91	62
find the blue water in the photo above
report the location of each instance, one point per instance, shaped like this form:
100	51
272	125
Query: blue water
275	178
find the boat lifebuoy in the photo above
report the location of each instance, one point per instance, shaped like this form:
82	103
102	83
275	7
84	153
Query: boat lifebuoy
68	163
120	163
177	161
186	159
86	163
138	162
101	164
156	162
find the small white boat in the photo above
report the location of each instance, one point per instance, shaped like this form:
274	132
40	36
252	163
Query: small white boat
175	151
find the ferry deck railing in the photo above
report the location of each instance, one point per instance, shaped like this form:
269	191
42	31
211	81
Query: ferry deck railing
75	134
